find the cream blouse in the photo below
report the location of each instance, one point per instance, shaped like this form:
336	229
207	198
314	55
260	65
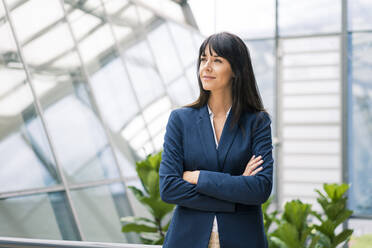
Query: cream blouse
211	115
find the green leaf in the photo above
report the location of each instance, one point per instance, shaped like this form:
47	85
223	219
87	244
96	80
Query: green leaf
137	192
165	228
317	215
296	213
157	207
275	242
137	220
148	173
132	227
343	216
158	242
335	191
153	183
333	209
314	241
150	236
327	228
266	204
154	161
288	233
342	236
323	241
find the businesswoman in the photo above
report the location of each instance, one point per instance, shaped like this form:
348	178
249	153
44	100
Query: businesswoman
217	160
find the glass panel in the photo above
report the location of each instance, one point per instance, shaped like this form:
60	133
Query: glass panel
360	130
44	15
20	124
308	17
80	142
192	76
159	140
100	209
204	14
44	216
157	125
114	94
115	7
165	53
127	162
156	108
248	19
143	73
186	45
166	7
263	60
180	92
133	127
359	14
75	130
143	15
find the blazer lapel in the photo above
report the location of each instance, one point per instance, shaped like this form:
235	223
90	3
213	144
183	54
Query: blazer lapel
207	138
226	140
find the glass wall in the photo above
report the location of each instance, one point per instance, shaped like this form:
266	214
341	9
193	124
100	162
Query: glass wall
87	87
86	90
360	107
299	59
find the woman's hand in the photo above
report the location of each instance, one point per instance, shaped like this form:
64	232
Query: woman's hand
250	169
191	176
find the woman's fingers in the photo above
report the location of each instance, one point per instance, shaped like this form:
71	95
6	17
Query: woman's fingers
252	165
256	171
254	160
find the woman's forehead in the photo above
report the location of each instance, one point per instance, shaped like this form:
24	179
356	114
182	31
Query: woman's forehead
209	51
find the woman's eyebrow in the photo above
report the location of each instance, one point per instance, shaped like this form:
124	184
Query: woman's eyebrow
204	55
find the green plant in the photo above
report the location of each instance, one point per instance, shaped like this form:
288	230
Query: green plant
151	230
293	230
335	213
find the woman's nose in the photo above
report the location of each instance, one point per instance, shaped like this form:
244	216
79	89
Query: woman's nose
207	65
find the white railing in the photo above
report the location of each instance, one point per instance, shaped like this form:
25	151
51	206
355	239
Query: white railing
9	242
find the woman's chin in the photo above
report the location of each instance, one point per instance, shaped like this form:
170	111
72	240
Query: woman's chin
207	86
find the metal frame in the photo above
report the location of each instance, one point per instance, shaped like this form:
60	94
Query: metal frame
93	98
39	110
141	31
277	107
24	243
344	100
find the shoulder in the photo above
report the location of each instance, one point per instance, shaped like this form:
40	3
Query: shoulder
184	112
263	116
254	119
256	116
182	115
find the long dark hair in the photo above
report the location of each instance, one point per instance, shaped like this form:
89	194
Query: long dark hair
244	90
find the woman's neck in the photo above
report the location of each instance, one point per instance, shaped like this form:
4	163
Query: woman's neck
220	102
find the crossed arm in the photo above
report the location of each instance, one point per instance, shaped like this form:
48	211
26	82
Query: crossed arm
215	191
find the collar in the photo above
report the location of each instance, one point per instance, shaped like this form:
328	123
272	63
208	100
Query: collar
211	113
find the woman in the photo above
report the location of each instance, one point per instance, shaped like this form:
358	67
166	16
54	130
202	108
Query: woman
217	161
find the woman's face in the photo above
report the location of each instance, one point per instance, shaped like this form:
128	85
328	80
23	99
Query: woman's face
215	72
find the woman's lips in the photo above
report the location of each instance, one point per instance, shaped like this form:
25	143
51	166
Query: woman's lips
208	78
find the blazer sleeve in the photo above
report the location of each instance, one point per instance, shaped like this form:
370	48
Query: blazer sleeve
249	190
175	190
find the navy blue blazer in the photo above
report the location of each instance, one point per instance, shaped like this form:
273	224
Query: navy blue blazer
221	189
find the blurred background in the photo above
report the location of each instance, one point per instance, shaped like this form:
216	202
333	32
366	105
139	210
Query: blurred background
86	88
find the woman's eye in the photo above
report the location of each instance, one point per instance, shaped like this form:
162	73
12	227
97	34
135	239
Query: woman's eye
218	60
